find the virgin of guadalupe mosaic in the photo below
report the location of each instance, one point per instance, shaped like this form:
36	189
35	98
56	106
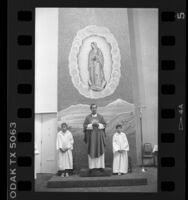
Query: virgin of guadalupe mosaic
94	62
97	80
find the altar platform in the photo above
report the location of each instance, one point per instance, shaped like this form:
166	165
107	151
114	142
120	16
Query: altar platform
150	175
77	181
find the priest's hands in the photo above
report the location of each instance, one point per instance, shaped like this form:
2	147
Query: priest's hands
89	127
101	126
95	123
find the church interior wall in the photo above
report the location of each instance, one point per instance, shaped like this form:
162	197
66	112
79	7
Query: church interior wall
146	40
46	76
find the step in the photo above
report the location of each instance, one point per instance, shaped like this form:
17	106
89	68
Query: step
95	173
105	181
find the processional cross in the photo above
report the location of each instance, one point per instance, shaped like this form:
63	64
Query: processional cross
141	107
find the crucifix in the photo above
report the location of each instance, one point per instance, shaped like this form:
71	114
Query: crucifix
140	107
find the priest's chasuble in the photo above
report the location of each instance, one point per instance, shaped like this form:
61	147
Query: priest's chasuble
120	161
94	136
65	159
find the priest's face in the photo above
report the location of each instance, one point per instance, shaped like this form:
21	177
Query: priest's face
94	109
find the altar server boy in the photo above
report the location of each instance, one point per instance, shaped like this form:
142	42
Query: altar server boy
120	147
64	145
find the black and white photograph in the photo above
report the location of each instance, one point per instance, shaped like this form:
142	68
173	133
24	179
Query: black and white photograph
96	100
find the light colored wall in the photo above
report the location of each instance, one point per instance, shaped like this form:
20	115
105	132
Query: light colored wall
146	40
46	46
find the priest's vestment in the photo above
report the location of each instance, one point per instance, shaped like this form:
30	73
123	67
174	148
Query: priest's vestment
94	137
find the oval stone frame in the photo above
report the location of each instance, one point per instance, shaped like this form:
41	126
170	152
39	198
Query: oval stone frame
97	31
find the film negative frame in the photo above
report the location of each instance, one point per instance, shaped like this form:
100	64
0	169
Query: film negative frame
171	93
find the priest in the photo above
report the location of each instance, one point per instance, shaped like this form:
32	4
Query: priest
94	136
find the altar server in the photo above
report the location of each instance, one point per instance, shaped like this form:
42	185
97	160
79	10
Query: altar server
120	148
64	145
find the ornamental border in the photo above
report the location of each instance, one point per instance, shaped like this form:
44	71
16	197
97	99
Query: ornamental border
116	61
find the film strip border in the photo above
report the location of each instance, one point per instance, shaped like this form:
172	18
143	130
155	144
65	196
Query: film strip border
171	99
21	88
171	112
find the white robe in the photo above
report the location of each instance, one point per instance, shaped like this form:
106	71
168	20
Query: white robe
120	160
65	159
96	162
